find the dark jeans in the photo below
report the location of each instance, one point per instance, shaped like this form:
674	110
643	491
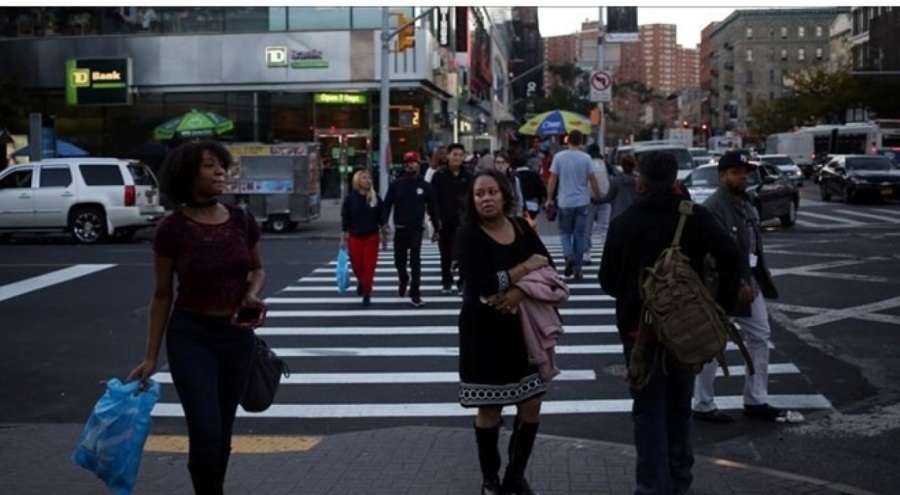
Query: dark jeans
447	247
662	428
408	241
210	362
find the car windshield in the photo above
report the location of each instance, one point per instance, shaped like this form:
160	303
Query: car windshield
869	163
682	155
709	177
699	153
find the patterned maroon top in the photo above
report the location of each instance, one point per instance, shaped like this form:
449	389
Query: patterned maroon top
211	261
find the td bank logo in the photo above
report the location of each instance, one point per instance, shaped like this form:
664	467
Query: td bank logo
276	56
81	78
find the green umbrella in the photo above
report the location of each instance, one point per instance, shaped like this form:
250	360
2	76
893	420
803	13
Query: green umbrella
194	124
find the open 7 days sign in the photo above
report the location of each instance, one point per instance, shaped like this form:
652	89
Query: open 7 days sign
101	81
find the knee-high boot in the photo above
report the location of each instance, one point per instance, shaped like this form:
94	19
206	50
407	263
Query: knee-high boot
207	480
489	458
520	444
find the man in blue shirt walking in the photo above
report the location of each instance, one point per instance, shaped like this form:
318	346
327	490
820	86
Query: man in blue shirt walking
411	196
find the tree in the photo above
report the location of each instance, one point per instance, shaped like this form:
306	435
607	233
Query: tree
821	94
569	91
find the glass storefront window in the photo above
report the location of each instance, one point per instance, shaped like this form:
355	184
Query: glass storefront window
277	19
192	19
246	19
367	17
318	18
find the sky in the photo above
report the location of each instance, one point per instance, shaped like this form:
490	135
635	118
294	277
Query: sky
555	21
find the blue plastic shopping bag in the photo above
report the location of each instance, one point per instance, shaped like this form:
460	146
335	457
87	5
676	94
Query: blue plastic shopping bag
113	439
342	271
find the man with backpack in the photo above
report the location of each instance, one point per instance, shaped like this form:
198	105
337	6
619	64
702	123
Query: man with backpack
732	208
661	409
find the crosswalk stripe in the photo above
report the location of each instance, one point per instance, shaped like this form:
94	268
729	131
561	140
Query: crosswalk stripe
386	331
831	218
384	278
404	300
453	409
435	351
869	215
392	286
451	377
382	378
423	312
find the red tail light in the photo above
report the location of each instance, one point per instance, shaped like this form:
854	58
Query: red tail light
130	196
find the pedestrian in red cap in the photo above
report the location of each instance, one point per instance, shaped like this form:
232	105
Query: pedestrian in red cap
412	196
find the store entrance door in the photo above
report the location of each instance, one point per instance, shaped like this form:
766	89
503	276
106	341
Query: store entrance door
344	151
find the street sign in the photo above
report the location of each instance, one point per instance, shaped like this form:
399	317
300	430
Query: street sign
601	86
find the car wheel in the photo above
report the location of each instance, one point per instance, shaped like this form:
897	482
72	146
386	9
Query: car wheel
278	223
124	233
826	196
789	218
4	238
88	225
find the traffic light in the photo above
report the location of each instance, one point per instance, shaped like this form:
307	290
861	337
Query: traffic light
406	38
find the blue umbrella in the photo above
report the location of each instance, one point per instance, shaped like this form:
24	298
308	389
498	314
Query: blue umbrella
64	149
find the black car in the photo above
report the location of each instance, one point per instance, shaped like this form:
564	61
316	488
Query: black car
859	176
771	192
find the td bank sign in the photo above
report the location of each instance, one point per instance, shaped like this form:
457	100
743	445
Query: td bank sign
282	56
98	81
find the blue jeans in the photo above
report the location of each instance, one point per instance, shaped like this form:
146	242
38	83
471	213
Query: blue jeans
662	428
210	361
573	224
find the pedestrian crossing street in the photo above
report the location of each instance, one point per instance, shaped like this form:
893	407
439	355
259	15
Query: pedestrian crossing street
393	360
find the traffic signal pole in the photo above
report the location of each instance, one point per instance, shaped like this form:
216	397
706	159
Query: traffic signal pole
601	35
384	114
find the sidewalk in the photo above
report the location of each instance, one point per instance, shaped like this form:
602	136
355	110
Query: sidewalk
34	460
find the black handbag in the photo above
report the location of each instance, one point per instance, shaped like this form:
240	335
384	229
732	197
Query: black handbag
265	376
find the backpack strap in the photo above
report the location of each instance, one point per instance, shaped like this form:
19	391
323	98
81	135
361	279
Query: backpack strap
685	208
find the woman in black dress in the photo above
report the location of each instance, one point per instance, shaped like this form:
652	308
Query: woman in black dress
496	250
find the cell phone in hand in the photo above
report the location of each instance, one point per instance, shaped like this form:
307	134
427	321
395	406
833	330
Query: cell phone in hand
253	316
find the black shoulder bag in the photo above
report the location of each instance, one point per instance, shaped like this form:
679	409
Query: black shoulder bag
265	371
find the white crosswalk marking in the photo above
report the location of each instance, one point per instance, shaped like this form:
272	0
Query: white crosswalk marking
820	215
392	360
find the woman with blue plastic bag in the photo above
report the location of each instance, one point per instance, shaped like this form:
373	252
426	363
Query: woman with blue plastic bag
362	232
214	251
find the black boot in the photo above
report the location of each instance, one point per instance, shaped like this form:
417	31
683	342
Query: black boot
489	458
520	444
207	480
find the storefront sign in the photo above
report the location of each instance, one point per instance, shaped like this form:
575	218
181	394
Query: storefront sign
443	26
282	56
341	98
98	81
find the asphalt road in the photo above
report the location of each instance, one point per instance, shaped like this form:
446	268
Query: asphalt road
834	331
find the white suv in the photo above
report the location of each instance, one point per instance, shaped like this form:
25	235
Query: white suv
90	197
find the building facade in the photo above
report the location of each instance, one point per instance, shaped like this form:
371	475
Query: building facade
559	50
752	53
280	73
874	38
527	64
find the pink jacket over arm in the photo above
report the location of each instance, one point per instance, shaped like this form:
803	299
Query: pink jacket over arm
540	321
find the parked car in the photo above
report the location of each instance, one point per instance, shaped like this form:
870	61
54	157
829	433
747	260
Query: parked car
91	198
638	149
859	176
701	156
771	193
786	165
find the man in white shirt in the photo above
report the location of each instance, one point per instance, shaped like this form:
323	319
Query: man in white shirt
571	171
